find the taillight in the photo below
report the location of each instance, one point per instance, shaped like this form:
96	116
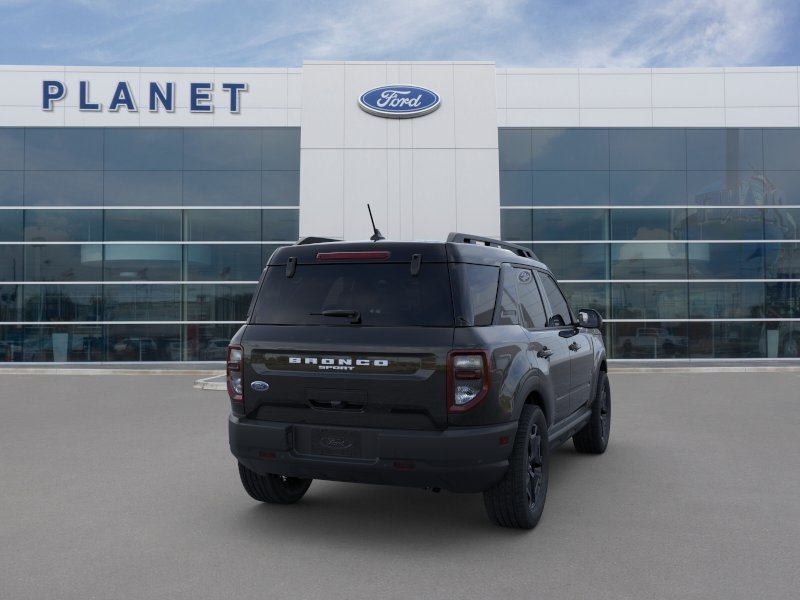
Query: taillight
468	379
234	377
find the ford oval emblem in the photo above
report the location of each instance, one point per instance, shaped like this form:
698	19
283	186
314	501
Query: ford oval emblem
399	101
335	443
259	386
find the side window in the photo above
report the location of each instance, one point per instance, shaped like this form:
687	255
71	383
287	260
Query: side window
508	301
561	315
474	292
530	301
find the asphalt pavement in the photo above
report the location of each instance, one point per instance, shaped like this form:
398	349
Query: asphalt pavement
122	486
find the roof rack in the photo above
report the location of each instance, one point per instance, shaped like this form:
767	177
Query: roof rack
466	238
314	240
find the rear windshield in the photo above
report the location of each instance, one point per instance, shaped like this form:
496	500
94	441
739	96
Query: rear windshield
384	294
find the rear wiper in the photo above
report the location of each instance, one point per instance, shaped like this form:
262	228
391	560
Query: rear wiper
353	315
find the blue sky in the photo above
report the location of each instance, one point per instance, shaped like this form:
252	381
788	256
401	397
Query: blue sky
269	33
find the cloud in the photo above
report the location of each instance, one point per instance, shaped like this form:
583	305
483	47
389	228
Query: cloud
534	33
673	33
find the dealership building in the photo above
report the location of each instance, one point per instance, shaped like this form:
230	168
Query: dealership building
138	206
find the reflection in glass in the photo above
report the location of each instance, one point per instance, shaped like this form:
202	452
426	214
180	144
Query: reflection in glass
218	302
11	189
47	303
63	148
516	225
732	188
725	300
222	148
63	262
582	188
63	188
11	263
514	149
143	149
724	339
63	343
725	223
142	225
781	148
783	299
649	300
723	149
10	226
142	262
782	224
140	342
516	188
570	149
11	302
143	167
726	261
240	262
558	225
782	260
63	225
280	224
588	295
142	302
280	188
648	261
222	188
12	148
222	225
281	149
783	187
648	187
574	261
648	149
648	224
208	342
143	188
650	339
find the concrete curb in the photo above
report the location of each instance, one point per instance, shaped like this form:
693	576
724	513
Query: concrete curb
216	383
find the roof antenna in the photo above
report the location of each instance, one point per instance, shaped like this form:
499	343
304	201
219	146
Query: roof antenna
377	235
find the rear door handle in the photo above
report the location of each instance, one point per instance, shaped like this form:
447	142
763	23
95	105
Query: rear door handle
545	352
574	346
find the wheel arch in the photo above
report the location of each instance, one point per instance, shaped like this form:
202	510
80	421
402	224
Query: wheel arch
537	393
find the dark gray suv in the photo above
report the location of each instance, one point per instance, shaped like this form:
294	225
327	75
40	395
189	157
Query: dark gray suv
456	365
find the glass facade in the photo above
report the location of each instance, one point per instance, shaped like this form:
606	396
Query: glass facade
145	244
685	240
138	244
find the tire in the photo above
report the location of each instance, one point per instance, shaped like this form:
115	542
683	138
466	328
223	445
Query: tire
593	438
274	489
518	500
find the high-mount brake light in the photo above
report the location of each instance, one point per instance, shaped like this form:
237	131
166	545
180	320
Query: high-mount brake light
367	255
468	379
234	378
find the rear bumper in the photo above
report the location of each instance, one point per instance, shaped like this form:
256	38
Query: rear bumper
463	459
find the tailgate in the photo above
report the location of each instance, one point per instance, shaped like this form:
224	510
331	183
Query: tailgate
347	376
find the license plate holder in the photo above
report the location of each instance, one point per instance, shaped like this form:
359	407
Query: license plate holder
336	442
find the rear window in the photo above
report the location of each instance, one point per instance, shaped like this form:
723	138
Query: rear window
384	295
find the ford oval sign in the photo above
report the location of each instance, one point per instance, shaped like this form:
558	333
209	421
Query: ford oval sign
399	101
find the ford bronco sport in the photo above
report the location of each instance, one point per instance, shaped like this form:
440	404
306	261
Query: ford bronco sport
456	365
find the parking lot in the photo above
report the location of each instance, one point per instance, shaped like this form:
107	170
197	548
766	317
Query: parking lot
122	486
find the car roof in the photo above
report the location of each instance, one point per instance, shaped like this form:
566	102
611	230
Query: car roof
402	252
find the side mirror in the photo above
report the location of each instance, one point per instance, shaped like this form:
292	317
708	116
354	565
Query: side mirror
589	318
